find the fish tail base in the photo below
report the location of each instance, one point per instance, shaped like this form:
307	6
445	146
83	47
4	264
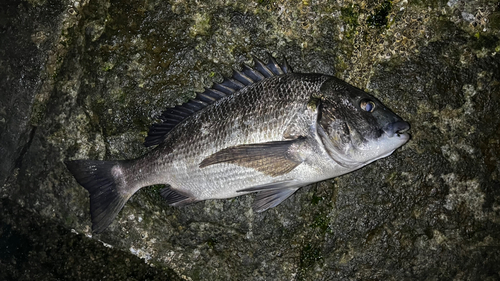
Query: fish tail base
104	182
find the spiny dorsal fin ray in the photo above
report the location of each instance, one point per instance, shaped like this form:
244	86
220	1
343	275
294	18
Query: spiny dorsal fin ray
240	79
262	68
273	65
254	74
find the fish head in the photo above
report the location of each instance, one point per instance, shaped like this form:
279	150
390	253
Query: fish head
356	128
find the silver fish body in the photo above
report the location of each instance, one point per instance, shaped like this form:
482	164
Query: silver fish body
264	130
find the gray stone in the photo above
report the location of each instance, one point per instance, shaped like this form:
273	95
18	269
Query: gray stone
83	80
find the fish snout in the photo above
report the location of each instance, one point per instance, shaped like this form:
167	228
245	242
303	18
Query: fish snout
396	128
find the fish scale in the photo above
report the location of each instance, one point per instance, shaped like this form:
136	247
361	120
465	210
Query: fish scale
189	156
266	130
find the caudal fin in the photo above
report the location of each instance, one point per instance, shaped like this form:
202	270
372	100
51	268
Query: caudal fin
104	182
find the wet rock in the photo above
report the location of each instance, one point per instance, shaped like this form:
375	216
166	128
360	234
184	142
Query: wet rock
86	79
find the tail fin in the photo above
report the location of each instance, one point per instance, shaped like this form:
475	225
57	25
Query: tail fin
105	184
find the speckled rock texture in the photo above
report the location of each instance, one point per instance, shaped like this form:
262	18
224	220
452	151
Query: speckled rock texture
85	79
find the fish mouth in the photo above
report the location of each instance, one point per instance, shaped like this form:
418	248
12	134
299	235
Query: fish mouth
398	129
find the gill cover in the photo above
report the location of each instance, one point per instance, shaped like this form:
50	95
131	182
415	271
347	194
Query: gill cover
355	127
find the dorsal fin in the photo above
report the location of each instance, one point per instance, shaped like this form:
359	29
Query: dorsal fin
240	79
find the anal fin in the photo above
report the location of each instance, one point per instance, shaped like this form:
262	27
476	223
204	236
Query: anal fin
271	158
176	198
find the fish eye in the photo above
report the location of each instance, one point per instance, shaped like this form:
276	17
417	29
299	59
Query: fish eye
367	105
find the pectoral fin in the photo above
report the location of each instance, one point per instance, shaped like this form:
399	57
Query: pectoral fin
271	158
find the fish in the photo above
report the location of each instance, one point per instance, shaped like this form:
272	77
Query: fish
264	130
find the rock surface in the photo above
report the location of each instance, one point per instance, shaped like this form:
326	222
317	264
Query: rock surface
85	80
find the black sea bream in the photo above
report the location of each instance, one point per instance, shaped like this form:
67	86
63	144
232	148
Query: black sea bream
265	129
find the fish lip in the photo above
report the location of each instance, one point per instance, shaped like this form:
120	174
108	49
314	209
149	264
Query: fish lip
404	136
398	139
398	128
